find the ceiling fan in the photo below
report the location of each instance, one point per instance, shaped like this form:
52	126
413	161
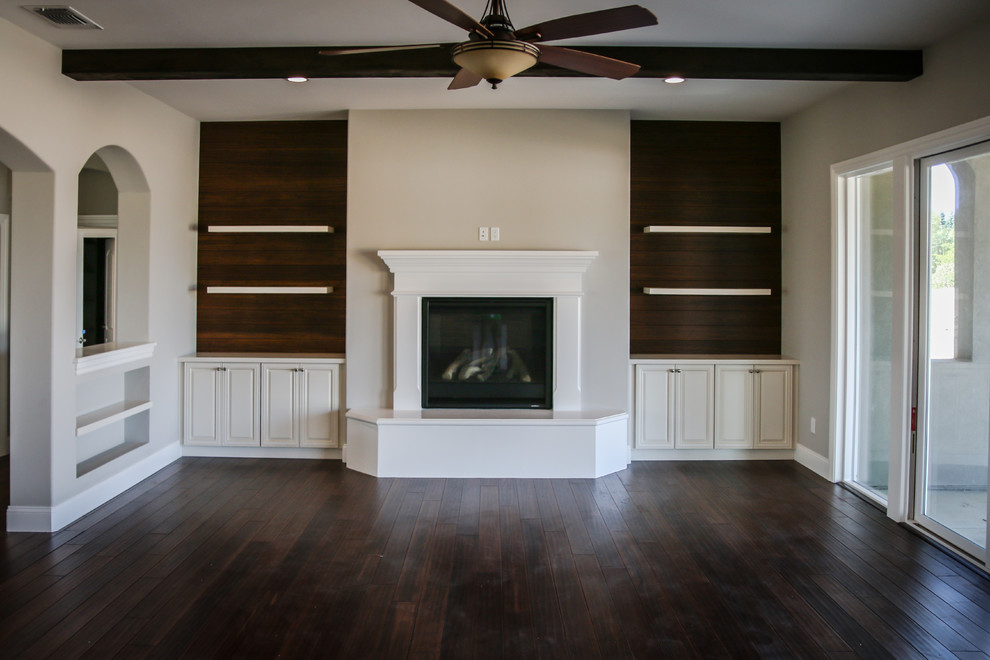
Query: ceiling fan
495	50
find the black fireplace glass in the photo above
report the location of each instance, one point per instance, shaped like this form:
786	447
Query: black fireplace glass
487	353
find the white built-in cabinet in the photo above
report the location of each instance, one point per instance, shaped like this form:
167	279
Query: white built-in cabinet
675	406
262	402
713	404
222	404
754	408
299	406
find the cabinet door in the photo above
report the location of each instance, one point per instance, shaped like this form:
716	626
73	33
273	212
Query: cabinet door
774	417
695	406
734	406
318	408
654	407
240	397
202	404
278	408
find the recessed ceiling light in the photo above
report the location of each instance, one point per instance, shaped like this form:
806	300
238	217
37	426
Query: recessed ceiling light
297	79
673	80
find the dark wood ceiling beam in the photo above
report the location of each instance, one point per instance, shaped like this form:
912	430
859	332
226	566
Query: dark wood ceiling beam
656	62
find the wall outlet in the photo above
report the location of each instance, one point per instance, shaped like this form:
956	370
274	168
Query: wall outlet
494	233
482	233
812	426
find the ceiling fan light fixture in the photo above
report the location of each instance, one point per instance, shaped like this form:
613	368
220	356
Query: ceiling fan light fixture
673	80
297	79
495	59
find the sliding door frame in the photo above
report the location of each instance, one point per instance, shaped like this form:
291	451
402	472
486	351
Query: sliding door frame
903	160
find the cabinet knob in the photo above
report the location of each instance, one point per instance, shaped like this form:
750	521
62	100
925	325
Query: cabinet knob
221	368
758	371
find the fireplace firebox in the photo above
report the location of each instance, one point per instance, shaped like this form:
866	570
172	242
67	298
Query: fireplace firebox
487	352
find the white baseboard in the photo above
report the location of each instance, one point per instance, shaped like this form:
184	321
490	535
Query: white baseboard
712	454
814	461
261	452
29	518
52	519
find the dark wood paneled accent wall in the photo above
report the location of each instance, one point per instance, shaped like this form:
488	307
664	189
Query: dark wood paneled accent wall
272	173
705	173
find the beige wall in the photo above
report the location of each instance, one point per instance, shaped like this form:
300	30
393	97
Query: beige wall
861	119
551	180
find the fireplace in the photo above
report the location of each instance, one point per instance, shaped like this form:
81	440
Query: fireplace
487	352
448	302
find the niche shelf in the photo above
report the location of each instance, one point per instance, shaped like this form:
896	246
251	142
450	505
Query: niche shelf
113	400
111	414
101	459
103	357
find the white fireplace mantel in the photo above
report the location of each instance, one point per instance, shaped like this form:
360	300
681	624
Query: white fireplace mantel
557	274
488	272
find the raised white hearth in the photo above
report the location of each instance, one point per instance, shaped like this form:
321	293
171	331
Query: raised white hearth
487	443
565	442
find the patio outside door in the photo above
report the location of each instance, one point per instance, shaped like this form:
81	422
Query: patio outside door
953	424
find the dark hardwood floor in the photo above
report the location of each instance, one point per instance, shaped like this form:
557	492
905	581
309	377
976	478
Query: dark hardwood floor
223	558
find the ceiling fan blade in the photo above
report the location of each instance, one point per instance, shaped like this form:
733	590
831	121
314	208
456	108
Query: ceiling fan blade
464	79
595	65
583	25
452	14
358	50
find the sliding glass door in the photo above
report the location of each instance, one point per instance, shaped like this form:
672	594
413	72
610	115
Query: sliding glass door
870	214
953	450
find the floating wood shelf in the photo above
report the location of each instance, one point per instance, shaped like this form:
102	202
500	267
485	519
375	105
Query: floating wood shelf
655	291
269	289
116	412
703	229
270	229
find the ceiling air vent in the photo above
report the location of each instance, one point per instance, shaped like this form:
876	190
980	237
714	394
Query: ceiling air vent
63	16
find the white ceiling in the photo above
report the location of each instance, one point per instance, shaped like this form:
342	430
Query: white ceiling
230	23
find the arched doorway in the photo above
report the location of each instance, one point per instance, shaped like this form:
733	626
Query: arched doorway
25	182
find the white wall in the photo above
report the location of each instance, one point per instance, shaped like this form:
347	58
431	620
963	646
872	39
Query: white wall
61	123
861	119
551	180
